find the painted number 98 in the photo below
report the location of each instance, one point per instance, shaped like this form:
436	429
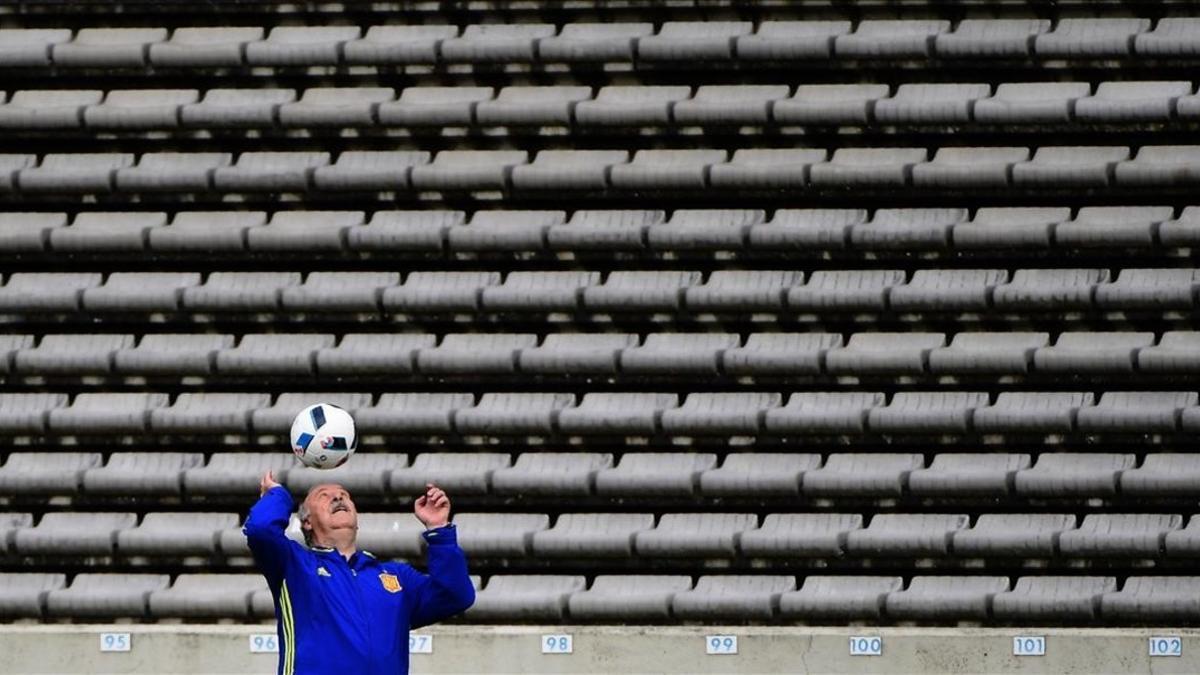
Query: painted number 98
721	644
866	646
1167	645
557	644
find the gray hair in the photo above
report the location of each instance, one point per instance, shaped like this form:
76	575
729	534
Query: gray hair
302	514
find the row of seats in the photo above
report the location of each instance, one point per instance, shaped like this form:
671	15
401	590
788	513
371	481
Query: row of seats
614	414
783	230
724	598
650	474
672	41
623	535
715	598
41	595
608	106
693	169
588	292
762	354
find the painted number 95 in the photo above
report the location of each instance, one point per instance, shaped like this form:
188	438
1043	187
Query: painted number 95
115	642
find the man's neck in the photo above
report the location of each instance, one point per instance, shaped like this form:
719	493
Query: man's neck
347	546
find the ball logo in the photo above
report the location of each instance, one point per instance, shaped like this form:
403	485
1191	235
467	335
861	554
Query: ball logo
323	436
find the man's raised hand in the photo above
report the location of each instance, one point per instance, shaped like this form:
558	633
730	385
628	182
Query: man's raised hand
267	482
433	507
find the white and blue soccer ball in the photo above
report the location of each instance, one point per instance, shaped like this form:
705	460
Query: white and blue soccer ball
323	436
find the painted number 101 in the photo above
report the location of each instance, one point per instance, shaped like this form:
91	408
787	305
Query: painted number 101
1029	645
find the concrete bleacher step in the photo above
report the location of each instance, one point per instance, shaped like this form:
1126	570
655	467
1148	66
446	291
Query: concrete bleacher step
769	413
1151	231
609	41
525	598
605	172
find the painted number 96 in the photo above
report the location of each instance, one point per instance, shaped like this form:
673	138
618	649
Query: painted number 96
1166	645
264	643
866	646
557	644
721	644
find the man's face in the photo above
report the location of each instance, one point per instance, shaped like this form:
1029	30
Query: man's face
330	508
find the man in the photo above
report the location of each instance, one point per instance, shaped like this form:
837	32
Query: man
340	610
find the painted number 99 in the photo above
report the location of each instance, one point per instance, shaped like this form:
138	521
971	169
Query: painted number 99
866	646
1166	645
420	644
721	644
115	642
557	644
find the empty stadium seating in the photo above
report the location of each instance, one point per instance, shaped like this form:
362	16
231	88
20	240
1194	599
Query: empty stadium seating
736	314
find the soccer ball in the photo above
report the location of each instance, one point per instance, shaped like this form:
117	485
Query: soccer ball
323	436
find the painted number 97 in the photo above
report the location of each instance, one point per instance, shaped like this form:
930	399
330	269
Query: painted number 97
721	644
866	646
557	644
420	644
1167	645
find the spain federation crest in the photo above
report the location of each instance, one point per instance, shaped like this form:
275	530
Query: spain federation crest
391	583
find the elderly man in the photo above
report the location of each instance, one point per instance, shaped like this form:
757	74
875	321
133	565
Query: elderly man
340	610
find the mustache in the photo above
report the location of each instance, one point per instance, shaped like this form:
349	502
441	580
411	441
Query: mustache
338	505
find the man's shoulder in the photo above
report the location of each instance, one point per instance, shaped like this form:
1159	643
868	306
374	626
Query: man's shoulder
389	564
393	566
297	551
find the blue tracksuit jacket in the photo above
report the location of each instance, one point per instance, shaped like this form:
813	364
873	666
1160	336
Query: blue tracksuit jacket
351	617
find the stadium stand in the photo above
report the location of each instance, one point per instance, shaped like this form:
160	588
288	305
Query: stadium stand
745	313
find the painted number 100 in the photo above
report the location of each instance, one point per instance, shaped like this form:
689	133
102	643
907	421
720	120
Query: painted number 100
866	646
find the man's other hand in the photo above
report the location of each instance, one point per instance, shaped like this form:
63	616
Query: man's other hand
267	482
433	507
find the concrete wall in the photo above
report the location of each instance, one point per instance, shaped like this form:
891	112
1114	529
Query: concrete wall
162	649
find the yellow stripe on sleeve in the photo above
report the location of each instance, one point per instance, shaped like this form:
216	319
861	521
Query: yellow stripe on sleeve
289	631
